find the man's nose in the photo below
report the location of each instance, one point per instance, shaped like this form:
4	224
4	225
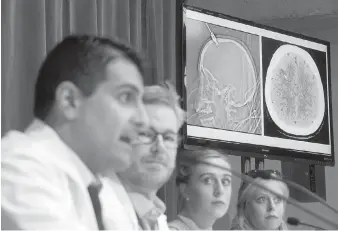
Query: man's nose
141	118
158	145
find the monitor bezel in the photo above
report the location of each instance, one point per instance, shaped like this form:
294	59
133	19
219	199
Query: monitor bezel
246	149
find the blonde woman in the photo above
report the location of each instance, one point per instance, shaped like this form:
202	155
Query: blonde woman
259	209
204	183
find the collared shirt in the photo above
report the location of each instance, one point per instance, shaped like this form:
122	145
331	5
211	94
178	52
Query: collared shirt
150	212
130	210
44	183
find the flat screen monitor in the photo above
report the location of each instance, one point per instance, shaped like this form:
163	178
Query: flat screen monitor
251	88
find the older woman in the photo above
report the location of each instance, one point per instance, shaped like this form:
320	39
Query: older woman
258	208
204	183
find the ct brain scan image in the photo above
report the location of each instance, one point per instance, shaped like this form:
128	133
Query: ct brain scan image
294	91
227	95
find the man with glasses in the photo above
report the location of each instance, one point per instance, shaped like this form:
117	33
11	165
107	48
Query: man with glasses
154	158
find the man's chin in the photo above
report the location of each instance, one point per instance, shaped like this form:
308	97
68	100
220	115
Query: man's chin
158	177
118	164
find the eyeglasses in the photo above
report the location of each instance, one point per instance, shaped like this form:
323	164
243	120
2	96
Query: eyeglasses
170	140
265	174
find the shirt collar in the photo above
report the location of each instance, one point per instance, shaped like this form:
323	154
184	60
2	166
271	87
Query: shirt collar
144	206
69	158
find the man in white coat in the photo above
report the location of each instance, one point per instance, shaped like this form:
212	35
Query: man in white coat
89	111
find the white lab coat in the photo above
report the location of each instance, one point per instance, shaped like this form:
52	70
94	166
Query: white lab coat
118	211
44	185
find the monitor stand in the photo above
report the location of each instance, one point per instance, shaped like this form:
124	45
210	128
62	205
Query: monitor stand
259	163
248	164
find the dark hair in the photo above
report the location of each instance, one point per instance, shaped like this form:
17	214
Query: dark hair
80	59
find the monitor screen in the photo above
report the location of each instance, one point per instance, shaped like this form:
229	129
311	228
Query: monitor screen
256	89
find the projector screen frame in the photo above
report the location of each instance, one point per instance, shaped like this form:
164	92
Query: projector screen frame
239	148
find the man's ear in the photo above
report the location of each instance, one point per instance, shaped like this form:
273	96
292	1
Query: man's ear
68	99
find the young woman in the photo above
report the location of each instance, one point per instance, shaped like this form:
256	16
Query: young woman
259	209
204	183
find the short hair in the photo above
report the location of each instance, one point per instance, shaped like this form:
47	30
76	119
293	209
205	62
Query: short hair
82	60
165	95
187	159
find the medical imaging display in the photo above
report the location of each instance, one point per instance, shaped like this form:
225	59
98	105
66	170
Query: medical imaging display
223	78
251	85
294	92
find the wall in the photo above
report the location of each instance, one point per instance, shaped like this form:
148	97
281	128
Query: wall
285	15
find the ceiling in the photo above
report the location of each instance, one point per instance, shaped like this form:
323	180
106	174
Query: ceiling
257	10
317	18
319	26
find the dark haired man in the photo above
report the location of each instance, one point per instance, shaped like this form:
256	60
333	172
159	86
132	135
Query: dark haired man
89	110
